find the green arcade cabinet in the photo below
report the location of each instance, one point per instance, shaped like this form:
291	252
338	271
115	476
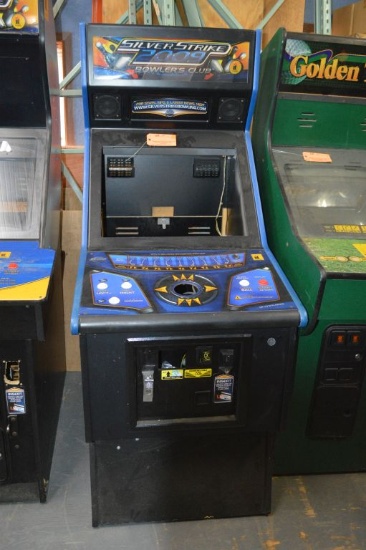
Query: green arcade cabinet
309	139
32	355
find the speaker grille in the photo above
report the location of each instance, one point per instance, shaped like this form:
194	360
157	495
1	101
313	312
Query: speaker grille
231	109
107	106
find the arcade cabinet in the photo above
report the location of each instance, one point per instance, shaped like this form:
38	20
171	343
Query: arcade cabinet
32	356
309	139
187	327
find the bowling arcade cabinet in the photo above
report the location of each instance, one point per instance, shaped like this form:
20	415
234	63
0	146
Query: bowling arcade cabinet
187	328
32	356
309	141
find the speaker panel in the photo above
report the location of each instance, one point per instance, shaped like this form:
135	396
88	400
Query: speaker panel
107	106
231	109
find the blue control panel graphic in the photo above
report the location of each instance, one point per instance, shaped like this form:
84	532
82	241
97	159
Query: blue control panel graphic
180	261
163	282
23	262
252	287
113	290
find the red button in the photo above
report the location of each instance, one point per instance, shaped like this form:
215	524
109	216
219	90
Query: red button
354	338
263	282
338	338
13	265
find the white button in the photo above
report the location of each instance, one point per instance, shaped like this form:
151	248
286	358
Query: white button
114	300
102	286
244	282
126	285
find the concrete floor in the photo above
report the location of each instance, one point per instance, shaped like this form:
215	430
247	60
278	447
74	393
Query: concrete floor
326	512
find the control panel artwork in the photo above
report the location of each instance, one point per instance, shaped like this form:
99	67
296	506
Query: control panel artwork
25	270
166	283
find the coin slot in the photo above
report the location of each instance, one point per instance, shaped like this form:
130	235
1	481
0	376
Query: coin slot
187	289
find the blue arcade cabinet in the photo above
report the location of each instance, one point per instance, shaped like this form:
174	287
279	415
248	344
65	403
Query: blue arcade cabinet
32	354
188	328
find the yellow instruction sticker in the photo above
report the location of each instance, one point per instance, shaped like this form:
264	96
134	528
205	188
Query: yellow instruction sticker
172	374
197	373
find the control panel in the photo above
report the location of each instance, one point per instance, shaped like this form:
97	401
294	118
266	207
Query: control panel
146	283
25	270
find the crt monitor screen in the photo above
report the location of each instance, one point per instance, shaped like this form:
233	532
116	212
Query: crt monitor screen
323	194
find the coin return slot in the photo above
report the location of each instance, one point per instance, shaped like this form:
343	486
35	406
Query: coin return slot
12	372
